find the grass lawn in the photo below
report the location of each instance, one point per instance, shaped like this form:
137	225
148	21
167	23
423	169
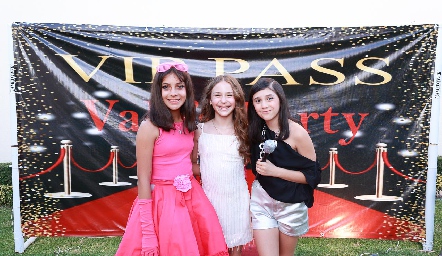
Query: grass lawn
106	246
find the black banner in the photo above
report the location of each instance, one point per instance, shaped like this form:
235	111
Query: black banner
363	94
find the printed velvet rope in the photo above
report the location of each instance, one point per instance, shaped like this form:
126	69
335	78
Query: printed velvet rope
109	162
124	166
323	168
60	160
386	161
113	155
348	172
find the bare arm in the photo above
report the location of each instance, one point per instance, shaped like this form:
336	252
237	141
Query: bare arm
300	141
194	155
145	140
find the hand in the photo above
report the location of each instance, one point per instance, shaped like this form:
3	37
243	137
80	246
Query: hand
149	241
266	168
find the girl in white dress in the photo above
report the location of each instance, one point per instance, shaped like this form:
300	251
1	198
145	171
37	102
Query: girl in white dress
222	150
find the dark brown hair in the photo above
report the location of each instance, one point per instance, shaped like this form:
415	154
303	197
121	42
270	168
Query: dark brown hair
159	114
256	123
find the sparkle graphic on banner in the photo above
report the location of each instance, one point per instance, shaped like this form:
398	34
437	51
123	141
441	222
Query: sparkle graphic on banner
355	87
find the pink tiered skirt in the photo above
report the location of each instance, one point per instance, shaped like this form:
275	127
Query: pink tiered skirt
185	222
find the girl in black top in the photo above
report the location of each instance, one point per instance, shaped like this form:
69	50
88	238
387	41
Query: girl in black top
283	188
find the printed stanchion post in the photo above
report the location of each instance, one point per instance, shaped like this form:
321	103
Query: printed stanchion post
334	162
114	151
67	193
333	153
67	166
380	162
381	149
115	164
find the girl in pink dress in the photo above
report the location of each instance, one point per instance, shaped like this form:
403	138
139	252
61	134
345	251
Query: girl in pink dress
171	215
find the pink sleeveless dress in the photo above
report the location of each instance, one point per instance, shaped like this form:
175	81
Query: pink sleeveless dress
186	223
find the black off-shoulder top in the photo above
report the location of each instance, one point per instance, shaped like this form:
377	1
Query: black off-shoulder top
286	157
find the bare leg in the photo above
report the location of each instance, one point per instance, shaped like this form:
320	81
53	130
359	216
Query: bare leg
267	241
287	244
235	251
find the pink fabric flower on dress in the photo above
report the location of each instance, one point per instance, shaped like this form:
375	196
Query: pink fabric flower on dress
182	183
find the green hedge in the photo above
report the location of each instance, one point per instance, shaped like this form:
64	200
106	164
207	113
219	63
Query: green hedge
5	184
5	174
6	195
439	175
439	165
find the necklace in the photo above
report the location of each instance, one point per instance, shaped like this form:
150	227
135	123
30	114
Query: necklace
213	123
178	126
276	134
263	133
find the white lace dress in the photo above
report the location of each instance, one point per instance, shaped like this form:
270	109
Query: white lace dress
223	181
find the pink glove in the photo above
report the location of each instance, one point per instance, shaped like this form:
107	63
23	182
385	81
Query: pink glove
149	241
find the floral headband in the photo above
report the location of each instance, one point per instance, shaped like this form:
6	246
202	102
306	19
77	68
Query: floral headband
177	65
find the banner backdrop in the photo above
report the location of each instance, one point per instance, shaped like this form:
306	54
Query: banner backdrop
363	94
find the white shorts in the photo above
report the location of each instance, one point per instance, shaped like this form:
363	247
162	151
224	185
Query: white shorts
290	219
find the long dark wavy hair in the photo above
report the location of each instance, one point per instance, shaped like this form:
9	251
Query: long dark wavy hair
159	114
239	113
256	123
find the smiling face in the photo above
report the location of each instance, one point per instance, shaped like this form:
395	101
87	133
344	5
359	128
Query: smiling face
266	104
173	92
222	99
